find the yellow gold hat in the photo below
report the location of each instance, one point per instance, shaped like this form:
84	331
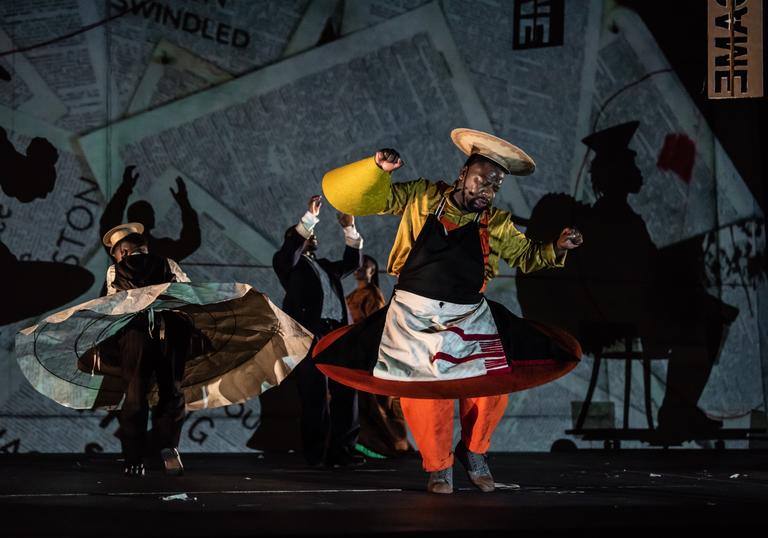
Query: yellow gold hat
118	233
514	160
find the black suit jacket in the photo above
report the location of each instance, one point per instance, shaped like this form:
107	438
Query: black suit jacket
303	290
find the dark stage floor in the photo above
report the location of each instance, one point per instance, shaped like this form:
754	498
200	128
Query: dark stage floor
591	492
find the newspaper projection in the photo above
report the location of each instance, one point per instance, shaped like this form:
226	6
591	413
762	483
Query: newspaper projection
74	69
24	89
538	96
236	37
176	72
260	144
173	72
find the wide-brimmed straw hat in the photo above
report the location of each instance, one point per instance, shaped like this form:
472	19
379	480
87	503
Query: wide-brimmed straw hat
514	160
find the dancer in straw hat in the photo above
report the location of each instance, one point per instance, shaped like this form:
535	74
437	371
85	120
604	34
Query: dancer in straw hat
439	338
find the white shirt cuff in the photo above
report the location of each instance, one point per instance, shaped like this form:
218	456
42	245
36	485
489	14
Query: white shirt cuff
307	224
352	237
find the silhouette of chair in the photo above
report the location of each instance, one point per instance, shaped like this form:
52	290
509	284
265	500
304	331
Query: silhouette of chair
597	338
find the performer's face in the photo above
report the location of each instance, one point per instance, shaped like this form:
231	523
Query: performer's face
120	252
478	185
366	271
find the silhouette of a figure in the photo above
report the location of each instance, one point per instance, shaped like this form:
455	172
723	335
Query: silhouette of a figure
33	287
619	278
141	211
31	175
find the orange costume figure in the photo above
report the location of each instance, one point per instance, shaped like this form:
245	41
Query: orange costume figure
382	424
439	338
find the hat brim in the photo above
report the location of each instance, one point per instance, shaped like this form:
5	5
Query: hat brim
120	232
498	150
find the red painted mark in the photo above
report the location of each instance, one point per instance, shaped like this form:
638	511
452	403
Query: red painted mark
490	346
471	337
678	155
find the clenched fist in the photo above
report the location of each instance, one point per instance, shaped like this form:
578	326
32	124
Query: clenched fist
315	203
569	239
388	159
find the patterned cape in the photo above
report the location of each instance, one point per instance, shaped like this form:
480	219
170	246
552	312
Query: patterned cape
241	345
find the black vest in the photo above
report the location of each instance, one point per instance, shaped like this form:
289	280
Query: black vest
445	265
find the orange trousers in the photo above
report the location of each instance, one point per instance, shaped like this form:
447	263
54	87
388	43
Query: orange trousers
431	423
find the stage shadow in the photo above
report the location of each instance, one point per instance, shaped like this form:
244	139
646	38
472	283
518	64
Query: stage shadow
143	212
619	284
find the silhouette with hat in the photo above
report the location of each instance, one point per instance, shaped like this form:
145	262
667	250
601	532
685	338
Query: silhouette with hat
621	279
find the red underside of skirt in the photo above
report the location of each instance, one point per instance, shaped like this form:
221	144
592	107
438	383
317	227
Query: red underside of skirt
522	375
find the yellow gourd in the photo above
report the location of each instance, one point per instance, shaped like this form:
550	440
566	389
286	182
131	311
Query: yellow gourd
359	188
